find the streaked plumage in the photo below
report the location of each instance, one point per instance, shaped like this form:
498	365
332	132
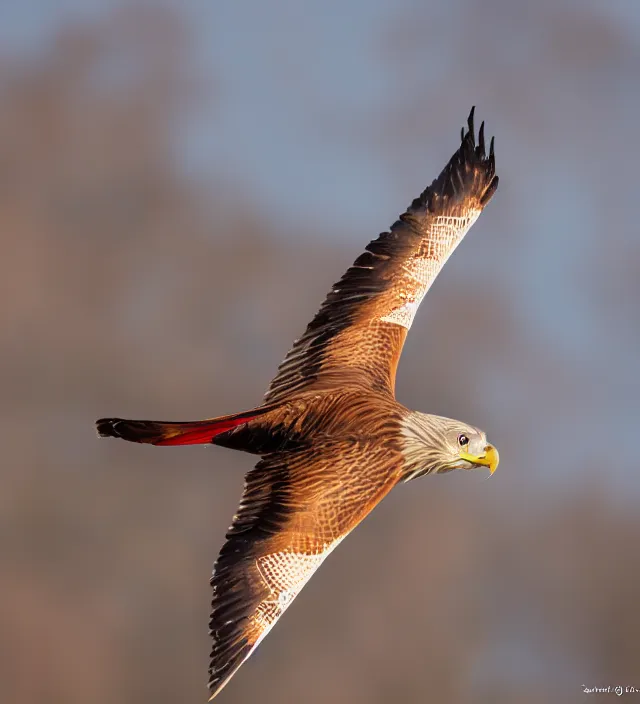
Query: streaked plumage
332	438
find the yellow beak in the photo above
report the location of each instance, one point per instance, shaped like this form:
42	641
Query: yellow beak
489	459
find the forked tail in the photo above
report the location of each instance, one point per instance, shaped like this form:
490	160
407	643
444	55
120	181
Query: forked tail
153	432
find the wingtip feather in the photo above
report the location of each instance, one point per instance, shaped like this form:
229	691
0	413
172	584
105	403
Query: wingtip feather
470	172
470	120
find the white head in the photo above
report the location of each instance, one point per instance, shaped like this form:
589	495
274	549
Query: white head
434	445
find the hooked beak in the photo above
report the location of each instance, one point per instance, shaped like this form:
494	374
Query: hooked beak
490	458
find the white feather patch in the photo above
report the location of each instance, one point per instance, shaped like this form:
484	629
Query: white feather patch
285	573
444	236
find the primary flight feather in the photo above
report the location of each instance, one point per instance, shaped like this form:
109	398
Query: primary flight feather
332	438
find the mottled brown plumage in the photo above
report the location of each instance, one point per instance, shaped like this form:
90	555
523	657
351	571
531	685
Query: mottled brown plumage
332	438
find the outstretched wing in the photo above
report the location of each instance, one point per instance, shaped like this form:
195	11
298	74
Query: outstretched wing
361	327
296	507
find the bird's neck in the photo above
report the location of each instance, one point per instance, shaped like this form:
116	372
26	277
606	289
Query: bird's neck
419	445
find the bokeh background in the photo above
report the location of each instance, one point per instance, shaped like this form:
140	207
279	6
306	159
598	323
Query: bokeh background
179	186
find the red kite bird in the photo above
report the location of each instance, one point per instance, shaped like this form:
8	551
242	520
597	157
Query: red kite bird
332	438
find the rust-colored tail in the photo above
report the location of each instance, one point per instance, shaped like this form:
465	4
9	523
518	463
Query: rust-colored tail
198	432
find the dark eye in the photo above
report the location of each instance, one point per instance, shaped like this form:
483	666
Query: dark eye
463	440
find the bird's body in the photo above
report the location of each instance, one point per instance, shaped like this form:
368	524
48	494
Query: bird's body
332	438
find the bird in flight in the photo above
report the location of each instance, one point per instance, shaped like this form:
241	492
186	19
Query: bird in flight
331	437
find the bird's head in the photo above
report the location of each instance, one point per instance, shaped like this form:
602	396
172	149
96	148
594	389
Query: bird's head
434	445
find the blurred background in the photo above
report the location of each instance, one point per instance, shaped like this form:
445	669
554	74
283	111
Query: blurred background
180	184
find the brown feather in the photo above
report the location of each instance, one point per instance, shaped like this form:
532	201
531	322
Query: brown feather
359	331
